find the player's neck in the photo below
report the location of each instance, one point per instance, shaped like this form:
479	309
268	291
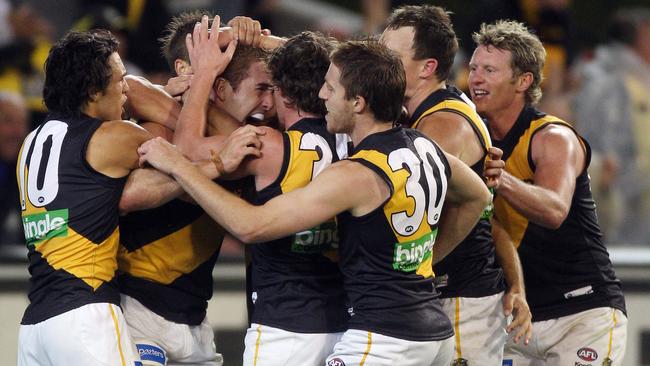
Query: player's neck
366	125
501	121
421	93
292	116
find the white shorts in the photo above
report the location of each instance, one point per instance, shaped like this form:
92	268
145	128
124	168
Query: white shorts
93	334
480	328
269	346
590	337
162	342
359	347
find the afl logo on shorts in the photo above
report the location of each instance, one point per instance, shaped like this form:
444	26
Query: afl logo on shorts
335	362
587	354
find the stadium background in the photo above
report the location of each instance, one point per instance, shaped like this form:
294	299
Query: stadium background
571	31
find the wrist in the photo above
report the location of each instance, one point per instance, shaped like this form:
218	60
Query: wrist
516	289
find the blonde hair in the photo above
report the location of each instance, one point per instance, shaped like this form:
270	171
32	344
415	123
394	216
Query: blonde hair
528	53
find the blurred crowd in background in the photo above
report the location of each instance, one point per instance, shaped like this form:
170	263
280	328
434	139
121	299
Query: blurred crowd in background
597	74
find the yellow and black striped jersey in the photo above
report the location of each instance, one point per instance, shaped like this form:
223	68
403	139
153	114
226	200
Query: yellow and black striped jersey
386	255
70	217
565	270
294	284
470	270
167	257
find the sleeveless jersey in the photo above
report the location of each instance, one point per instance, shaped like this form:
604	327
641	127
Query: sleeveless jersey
167	257
386	255
567	270
70	217
295	285
470	270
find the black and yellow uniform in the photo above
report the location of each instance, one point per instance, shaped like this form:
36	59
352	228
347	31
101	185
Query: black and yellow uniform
70	217
470	270
167	257
567	270
295	285
386	255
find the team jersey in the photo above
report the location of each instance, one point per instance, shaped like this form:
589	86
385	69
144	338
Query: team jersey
295	284
566	270
70	217
386	255
167	257
470	270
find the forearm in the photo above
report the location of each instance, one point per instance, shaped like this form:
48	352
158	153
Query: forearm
237	217
457	221
508	258
539	205
147	102
147	188
192	120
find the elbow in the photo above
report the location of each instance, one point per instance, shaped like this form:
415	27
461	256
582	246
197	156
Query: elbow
555	218
127	204
249	235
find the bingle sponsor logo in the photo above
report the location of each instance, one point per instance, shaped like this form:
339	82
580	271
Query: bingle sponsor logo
45	225
408	256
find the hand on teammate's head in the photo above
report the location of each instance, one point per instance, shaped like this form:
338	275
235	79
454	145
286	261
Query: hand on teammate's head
204	51
247	30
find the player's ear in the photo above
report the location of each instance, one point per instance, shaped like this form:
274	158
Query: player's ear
182	67
524	81
220	89
428	68
359	104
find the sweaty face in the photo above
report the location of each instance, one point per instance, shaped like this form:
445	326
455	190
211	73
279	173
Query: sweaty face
254	94
491	80
111	100
339	110
400	41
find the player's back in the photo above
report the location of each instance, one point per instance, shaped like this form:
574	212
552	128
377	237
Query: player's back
70	216
296	286
386	255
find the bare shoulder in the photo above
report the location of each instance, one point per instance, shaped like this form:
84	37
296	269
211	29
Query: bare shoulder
454	135
113	147
555	144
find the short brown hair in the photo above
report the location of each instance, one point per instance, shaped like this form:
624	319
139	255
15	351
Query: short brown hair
173	42
528	53
244	57
299	66
174	48
372	71
434	35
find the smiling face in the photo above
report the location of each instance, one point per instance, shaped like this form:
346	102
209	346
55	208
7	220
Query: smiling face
110	102
340	111
492	82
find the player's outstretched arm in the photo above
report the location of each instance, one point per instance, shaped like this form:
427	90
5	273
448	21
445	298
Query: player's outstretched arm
559	159
467	196
147	188
326	196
